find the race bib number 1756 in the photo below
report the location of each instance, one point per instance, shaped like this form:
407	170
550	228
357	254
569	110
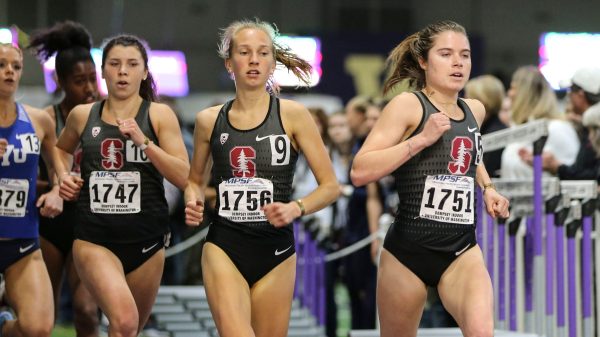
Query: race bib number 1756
241	199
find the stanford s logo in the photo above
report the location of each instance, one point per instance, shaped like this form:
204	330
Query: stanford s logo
240	159
461	153
111	150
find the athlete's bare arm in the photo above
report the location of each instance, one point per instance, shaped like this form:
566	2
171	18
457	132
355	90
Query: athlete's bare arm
194	191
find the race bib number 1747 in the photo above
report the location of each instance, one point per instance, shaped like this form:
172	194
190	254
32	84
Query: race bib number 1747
115	192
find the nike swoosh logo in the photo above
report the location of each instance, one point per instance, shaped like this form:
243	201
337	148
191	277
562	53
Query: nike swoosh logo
283	251
258	138
24	249
145	250
471	129
462	250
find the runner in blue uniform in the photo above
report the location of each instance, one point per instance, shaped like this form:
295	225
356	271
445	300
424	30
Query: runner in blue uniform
70	43
249	260
129	143
25	134
430	141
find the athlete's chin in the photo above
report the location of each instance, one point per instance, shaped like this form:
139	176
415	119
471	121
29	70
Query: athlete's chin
253	85
456	86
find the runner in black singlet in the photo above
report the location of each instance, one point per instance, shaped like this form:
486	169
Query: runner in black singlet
129	143
430	141
248	262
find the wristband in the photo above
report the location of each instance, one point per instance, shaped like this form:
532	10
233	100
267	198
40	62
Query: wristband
489	185
144	145
301	206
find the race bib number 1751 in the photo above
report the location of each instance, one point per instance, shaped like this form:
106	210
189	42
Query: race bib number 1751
448	198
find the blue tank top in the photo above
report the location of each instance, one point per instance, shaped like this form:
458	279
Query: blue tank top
18	175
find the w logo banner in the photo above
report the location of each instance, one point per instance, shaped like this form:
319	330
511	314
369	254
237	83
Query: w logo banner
462	148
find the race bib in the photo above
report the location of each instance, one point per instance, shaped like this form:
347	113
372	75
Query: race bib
240	199
134	154
115	192
13	197
30	143
448	198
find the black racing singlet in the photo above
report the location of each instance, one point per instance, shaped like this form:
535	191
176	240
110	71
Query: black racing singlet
60	124
122	199
251	168
436	187
58	118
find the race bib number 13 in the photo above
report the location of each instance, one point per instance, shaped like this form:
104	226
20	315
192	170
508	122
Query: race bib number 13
115	192
448	198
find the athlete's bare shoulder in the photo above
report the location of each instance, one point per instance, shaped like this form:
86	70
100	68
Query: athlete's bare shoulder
477	108
209	115
288	105
405	100
404	109
39	116
50	111
80	113
205	119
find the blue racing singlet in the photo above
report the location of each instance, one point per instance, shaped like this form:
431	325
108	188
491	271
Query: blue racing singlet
18	175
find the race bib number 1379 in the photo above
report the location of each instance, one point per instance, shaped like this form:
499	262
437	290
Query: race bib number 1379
13	197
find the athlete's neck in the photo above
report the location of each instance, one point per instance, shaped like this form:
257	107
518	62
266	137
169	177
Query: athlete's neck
123	109
8	109
251	100
441	97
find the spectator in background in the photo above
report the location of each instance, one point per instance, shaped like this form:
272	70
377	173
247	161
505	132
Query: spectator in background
504	113
340	152
340	149
174	272
319	222
532	98
376	191
489	90
591	120
359	273
584	93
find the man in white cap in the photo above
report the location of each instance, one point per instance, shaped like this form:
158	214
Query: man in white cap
584	92
591	120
